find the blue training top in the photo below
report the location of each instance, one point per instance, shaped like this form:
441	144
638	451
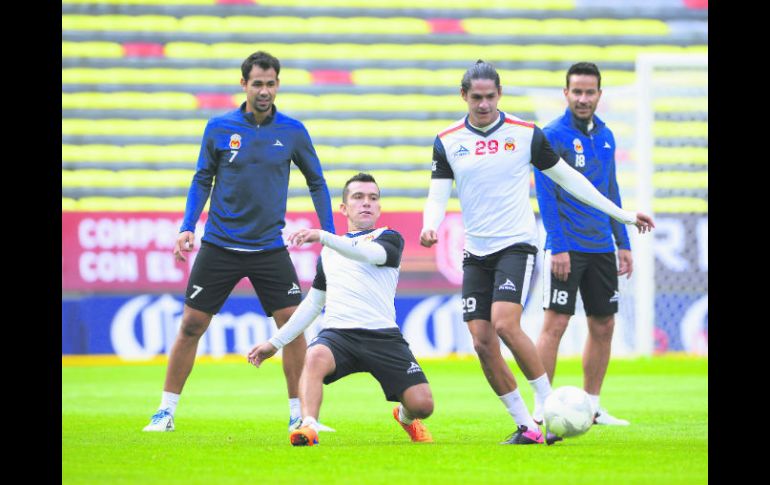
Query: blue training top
251	164
570	224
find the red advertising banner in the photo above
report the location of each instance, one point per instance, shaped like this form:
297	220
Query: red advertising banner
132	251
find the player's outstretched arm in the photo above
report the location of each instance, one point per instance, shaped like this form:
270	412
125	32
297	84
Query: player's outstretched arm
579	186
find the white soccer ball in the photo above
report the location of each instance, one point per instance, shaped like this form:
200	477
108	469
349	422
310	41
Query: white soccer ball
568	412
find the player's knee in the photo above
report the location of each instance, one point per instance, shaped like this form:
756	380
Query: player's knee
193	327
317	361
484	347
602	326
421	407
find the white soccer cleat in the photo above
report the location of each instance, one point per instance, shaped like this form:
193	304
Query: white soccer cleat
323	427
161	421
296	423
603	417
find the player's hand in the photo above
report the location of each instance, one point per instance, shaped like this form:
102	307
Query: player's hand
625	263
184	243
644	223
260	353
305	236
428	237
560	266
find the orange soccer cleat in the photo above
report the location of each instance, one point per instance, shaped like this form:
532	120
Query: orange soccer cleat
416	431
304	436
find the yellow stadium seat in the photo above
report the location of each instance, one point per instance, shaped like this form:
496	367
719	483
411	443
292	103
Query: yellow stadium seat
698	129
680	155
126	178
130	153
91	49
170	76
129	100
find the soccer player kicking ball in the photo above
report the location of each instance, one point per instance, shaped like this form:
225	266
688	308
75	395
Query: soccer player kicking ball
356	281
488	154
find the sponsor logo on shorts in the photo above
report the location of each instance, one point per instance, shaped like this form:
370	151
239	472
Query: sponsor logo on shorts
294	290
508	285
615	297
414	368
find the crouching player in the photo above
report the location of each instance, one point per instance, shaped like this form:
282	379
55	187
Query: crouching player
356	281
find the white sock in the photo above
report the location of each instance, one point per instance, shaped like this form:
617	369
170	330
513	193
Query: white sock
169	400
403	417
294	410
594	402
310	422
542	388
517	409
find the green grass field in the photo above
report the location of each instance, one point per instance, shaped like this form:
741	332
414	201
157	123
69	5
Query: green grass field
231	429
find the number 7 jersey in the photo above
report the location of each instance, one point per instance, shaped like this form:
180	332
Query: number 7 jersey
491	171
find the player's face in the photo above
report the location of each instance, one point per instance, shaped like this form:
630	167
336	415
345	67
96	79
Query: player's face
583	95
363	206
260	89
482	98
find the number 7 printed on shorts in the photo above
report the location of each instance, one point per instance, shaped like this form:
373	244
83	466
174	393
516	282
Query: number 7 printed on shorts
198	289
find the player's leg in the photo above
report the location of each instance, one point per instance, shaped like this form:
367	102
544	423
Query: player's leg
559	305
182	356
478	278
275	281
319	362
386	355
214	274
596	354
554	326
559	299
599	289
513	272
328	358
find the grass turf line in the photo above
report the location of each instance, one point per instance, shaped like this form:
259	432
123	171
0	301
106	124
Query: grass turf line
231	429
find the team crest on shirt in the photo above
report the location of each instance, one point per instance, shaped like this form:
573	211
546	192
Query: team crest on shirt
510	144
461	152
235	141
578	145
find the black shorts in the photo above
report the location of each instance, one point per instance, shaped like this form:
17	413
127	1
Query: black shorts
501	276
383	353
594	274
216	271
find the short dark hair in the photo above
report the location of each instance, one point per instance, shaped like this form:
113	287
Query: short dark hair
261	59
588	68
480	70
359	177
